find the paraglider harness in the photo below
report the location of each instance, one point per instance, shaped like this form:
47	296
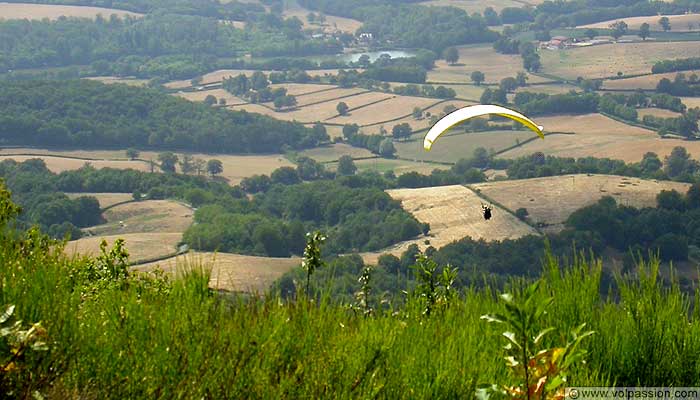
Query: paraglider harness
486	210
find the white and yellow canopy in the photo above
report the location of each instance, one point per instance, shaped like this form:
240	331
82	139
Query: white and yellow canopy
466	113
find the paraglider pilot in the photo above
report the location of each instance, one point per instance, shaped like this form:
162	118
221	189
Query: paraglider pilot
487	211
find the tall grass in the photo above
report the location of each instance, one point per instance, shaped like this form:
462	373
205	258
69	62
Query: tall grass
150	339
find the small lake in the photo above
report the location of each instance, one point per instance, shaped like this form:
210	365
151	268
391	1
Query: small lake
373	55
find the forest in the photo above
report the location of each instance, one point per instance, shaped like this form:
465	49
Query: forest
409	25
91	114
71	41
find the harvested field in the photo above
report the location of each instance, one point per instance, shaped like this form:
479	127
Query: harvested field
301	89
691	102
108	80
591	124
453	213
606	60
469	92
417	124
236	167
387	110
105	199
60	164
495	66
657	112
625	148
335	151
232	272
52	12
148	216
572	192
645	82
328	96
200	95
453	147
679	23
141	246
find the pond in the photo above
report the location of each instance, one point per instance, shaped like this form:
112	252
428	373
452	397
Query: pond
373	55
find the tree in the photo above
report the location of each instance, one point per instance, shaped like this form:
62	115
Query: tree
591	33
521	79
508	84
491	17
451	55
285	176
478	77
214	167
342	108
222	101
346	166
386	148
132	153
521	213
650	163
619	28
187	164
644	31
670	200
199	165
401	131
665	24
350	130
168	161
677	162
417	113
692	198
210	100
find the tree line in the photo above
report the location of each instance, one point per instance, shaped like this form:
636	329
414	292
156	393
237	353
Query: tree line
91	114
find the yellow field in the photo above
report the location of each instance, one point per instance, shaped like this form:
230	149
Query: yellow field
300	89
386	110
679	23
148	216
646	82
334	152
218	93
599	136
691	102
416	124
333	24
105	199
329	96
115	79
551	200
453	212
232	272
495	66
452	148
607	60
548	89
591	125
60	164
41	11
236	167
657	112
151	228
141	246
470	92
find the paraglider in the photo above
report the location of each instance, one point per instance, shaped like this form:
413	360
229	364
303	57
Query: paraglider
469	112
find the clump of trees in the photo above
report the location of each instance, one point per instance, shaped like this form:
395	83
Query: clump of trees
256	90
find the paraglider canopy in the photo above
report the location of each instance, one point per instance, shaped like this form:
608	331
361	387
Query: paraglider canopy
469	112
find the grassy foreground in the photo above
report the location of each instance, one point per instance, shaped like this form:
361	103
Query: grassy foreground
110	334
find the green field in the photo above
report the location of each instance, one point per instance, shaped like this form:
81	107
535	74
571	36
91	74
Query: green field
453	147
399	167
